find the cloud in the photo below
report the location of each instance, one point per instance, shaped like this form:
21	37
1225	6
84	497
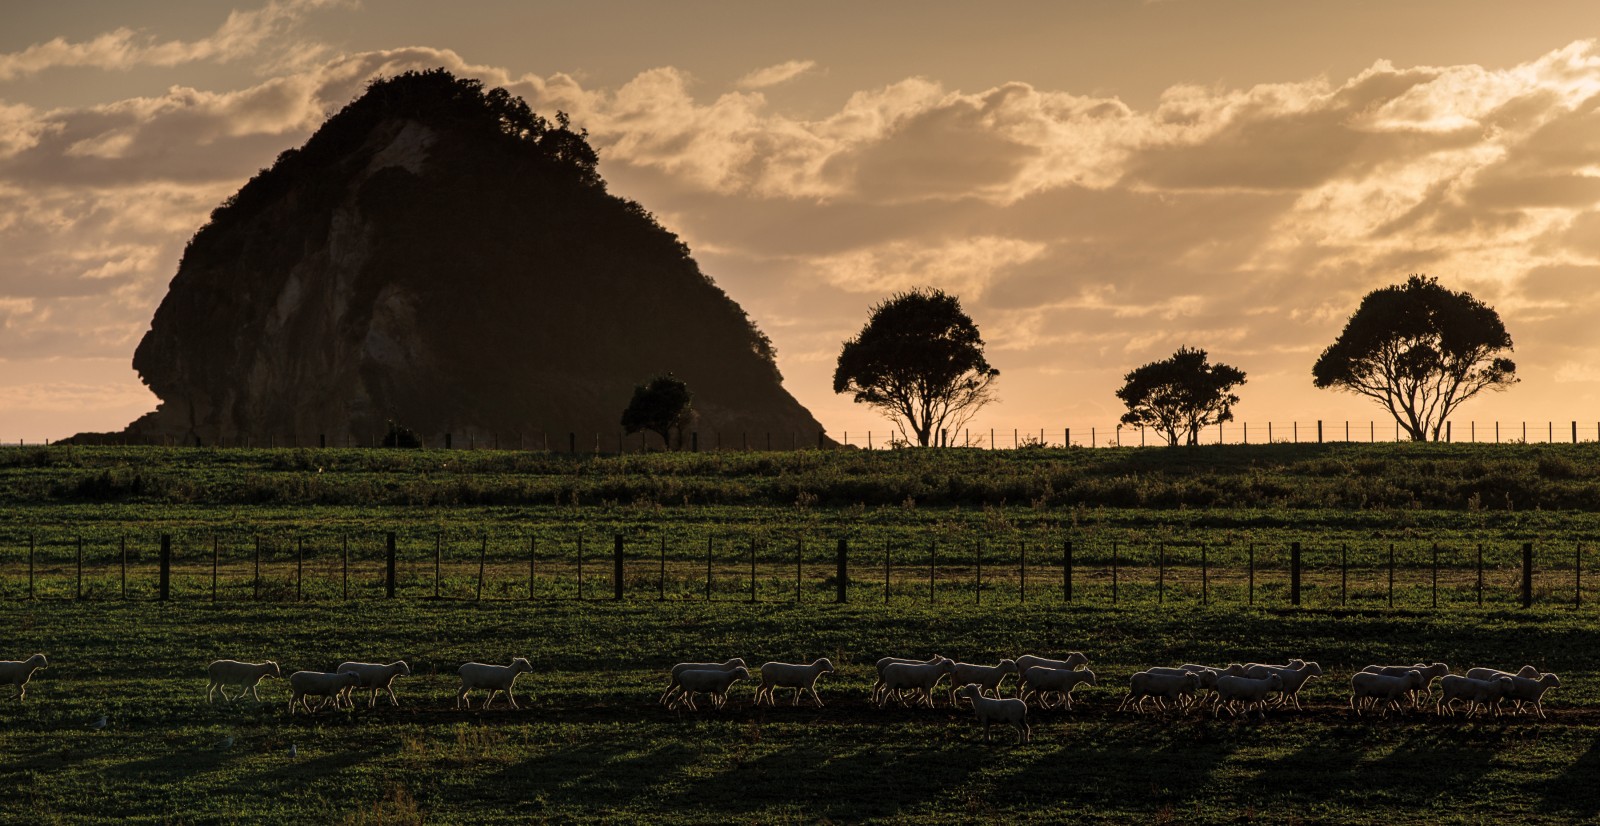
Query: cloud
964	267
775	75
242	34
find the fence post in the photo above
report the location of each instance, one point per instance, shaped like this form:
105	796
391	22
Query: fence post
164	587
257	577
483	557
1294	573
79	594
616	570
1205	578
1319	431
215	552
122	543
1527	574
1113	572
1435	575
842	577
388	566
1066	571
1252	589
1480	575
299	566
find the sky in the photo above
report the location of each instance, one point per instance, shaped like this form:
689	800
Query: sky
1099	181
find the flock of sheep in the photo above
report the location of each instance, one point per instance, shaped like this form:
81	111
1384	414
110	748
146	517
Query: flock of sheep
1238	688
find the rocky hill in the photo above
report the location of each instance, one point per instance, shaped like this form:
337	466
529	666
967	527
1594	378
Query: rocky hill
439	256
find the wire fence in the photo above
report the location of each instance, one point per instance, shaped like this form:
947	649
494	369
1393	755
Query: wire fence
1088	570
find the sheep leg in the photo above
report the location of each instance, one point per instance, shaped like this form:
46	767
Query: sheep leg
668	693
461	697
814	697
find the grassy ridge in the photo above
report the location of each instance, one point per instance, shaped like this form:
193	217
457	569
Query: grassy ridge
592	744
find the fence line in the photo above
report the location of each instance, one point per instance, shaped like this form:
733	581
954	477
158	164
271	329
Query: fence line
755	569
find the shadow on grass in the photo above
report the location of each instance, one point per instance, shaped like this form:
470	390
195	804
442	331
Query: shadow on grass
1574	792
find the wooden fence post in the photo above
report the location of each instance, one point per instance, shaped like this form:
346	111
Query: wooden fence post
164	586
616	570
1527	574
388	567
842	576
1294	574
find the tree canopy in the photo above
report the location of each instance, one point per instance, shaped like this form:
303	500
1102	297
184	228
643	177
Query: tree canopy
661	405
1181	395
919	360
1419	350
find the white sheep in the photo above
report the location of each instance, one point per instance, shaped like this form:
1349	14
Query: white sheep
885	662
1047	682
988	676
1011	711
322	684
1475	693
1073	660
1294	676
919	677
1160	687
712	682
1429	674
672	684
494	678
19	672
1530	690
798	676
1372	688
377	677
1527	671
224	673
1246	692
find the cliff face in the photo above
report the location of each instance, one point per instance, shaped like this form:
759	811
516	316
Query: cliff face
443	258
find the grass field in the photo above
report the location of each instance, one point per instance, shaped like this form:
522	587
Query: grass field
591	743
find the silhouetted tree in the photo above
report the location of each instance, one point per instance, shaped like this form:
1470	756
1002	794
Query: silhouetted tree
919	359
401	436
1420	350
660	406
1181	395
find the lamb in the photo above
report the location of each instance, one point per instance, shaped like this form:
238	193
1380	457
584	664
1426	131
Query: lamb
495	678
672	685
1073	660
1159	687
1294	678
792	675
1045	681
1529	690
1248	692
1388	689
877	687
1011	711
1230	670
1527	671
1429	674
921	677
376	676
19	672
224	673
1474	693
308	684
711	681
988	676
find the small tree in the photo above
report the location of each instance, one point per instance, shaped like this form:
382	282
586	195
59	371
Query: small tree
1180	396
1419	350
919	360
660	406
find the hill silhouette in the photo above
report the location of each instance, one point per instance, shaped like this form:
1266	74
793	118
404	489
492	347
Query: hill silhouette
439	256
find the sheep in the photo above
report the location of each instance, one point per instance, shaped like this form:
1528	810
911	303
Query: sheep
495	678
224	673
1045	681
711	681
376	676
885	662
1073	660
921	677
1145	685
1233	692
1527	671
1011	711
308	684
672	685
1475	693
791	675
1530	690
1429	674
1230	670
19	672
1294	678
1385	688
988	676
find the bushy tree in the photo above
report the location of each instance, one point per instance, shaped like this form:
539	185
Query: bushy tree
919	360
1419	350
1180	396
661	405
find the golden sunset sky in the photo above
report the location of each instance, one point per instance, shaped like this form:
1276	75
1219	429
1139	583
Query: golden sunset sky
1100	182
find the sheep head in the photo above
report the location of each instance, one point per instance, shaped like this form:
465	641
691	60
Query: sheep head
521	664
1087	676
274	670
38	661
1075	659
825	664
1008	666
1550	680
1528	671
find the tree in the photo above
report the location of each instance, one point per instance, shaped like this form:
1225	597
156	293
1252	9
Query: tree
1420	350
1181	395
919	360
660	405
